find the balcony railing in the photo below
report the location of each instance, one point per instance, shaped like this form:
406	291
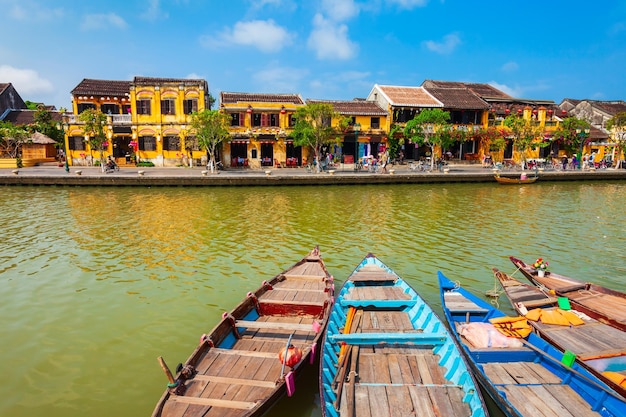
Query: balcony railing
116	119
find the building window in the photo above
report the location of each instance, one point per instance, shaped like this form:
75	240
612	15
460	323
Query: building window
143	107
76	143
168	106
84	106
110	109
171	143
190	106
192	142
236	119
256	119
375	123
292	120
273	119
147	143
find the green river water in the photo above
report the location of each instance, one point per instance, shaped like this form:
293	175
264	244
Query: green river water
96	283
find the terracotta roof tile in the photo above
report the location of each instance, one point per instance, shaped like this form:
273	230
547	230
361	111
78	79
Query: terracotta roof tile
234	98
27	117
409	96
90	87
458	98
354	107
160	81
609	107
480	89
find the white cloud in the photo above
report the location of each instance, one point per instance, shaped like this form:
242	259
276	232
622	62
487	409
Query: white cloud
510	66
264	35
25	81
154	12
280	79
330	40
339	10
29	11
409	4
512	91
102	21
450	42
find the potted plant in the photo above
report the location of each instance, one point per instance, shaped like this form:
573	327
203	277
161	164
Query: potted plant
541	266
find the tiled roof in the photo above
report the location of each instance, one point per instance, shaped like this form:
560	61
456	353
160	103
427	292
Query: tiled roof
234	98
609	107
90	87
3	86
409	96
458	98
160	81
596	134
354	107
480	89
27	117
41	139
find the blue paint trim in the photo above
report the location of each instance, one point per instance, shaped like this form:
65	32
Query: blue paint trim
373	338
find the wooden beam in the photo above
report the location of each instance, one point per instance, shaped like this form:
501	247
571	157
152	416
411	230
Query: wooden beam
213	402
236	381
274	325
238	352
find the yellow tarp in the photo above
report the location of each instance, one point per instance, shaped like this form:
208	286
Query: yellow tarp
557	316
534	314
512	326
619	379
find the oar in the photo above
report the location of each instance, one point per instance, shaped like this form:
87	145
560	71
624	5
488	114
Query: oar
167	371
575	372
351	380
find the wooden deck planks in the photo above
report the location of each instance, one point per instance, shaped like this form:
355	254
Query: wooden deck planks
457	302
585	339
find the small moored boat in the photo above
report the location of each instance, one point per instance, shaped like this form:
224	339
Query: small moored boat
386	353
250	359
601	303
524	377
598	347
515	180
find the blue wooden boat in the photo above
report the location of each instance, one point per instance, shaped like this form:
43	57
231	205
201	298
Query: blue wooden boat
386	353
526	380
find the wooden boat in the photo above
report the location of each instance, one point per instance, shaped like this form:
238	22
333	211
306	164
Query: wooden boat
598	347
386	353
515	180
524	380
236	370
601	303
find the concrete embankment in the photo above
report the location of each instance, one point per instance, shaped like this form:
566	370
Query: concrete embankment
198	177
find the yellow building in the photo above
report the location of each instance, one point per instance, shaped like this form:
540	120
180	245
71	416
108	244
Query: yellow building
147	120
260	128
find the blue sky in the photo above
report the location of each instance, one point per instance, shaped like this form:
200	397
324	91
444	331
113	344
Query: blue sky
323	49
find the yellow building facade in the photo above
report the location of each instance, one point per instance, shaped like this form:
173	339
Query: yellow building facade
147	120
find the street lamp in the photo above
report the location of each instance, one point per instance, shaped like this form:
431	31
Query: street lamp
65	124
582	135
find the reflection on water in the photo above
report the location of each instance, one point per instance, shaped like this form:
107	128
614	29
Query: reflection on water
98	282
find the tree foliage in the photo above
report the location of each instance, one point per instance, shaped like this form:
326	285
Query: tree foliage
11	139
313	127
492	138
211	129
44	123
617	124
430	127
94	122
524	134
569	134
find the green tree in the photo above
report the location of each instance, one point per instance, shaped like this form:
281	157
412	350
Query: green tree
617	124
211	128
523	133
11	139
430	127
571	134
94	122
313	127
394	140
492	139
44	123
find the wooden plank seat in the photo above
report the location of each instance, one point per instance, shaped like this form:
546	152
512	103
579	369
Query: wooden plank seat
275	325
384	338
378	303
214	402
235	381
300	303
294	276
457	303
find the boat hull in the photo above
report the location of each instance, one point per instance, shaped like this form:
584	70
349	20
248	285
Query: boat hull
236	370
385	352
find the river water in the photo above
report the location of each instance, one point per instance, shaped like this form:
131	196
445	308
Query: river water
96	283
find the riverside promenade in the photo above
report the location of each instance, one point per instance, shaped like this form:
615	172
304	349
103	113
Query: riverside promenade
52	175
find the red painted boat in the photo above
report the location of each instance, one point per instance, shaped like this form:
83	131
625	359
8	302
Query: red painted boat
238	369
601	303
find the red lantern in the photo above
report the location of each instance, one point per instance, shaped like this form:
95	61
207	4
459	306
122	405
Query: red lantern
507	111
294	355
